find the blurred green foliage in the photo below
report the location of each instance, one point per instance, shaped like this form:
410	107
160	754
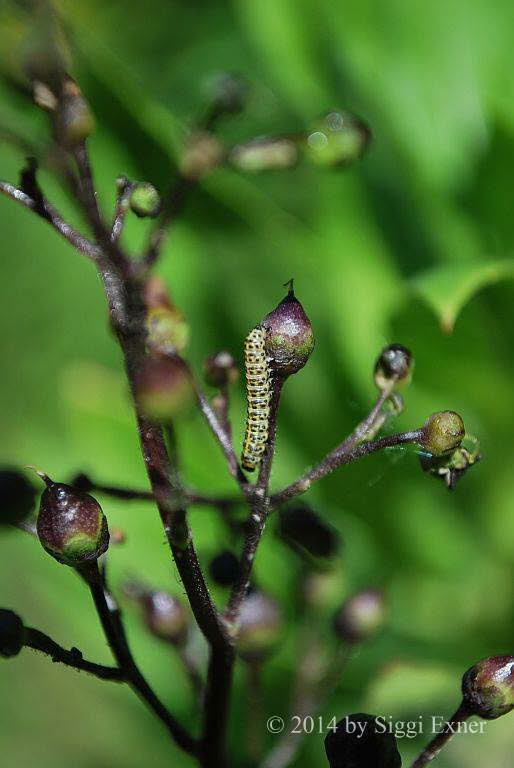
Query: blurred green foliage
390	250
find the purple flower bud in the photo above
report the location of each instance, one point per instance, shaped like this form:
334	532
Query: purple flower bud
443	432
360	616
163	387
488	687
259	626
393	367
11	633
71	525
289	339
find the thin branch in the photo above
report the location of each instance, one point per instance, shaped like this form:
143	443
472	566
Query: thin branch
126	662
259	510
172	208
46	211
339	457
120	211
434	747
38	641
362	429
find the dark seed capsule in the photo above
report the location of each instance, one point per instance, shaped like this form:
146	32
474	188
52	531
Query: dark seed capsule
71	525
17	497
11	633
307	533
393	367
224	568
259	626
359	742
165	616
163	387
360	616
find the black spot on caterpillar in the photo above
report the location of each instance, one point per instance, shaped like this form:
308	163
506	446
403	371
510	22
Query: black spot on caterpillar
258	390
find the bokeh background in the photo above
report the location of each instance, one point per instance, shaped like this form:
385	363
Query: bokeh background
411	241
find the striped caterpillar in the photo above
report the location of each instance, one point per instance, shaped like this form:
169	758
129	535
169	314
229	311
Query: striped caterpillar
258	389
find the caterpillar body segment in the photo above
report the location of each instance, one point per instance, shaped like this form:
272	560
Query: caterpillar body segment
258	392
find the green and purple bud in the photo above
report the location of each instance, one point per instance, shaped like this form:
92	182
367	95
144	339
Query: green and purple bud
17	497
163	387
337	140
289	336
442	433
360	616
393	367
166	327
144	200
488	687
220	369
260	625
12	633
163	614
265	154
71	525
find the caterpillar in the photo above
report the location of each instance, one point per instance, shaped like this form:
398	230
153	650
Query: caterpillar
258	390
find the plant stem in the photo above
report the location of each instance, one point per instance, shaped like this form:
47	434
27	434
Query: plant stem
339	457
126	662
434	747
38	641
120	209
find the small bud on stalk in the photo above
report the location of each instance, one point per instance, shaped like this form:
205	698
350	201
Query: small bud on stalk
289	337
265	154
202	154
228	93
259	627
167	329
75	121
443	433
12	633
488	687
17	497
71	525
308	534
224	568
338	139
220	369
163	387
393	368
359	741
145	200
360	616
164	614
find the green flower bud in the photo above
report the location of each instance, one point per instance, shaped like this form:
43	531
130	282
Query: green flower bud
259	627
145	200
488	687
451	467
17	497
360	616
322	590
71	525
166	326
203	152
393	367
308	534
12	633
75	121
359	741
163	387
338	139
265	154
220	369
224	568
442	433
289	338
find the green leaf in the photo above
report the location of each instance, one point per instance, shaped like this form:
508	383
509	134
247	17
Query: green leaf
447	288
